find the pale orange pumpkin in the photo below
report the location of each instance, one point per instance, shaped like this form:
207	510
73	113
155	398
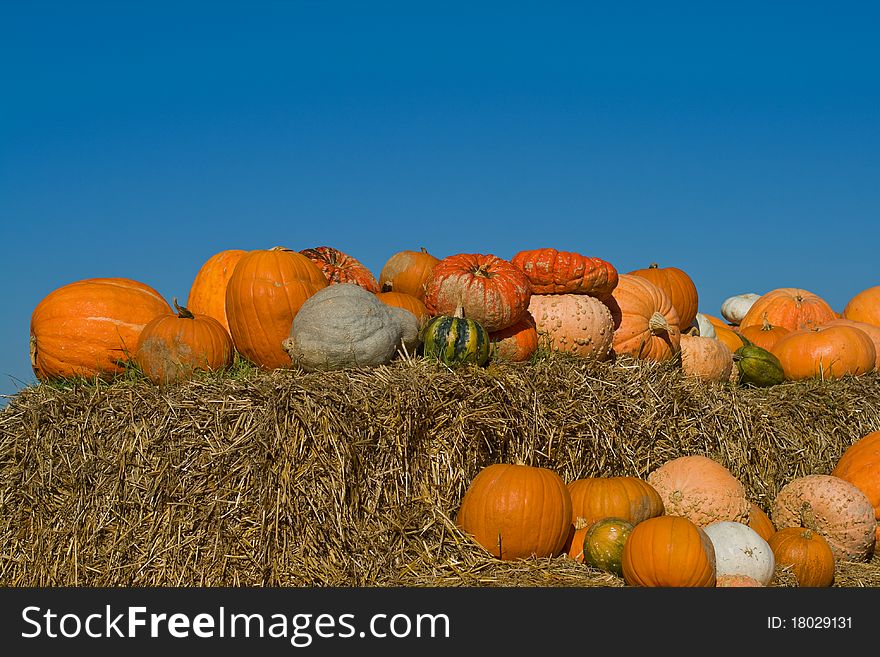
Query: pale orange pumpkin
707	359
789	307
668	551
516	343
207	294
678	286
646	324
864	306
576	324
408	271
825	352
736	581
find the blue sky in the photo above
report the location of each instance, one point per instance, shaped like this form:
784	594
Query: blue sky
737	141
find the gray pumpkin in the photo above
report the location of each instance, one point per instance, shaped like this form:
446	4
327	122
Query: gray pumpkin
343	325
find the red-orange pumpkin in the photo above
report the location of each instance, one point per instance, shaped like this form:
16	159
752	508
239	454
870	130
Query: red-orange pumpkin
173	346
566	272
339	267
90	328
408	271
207	294
806	553
825	352
516	343
646	324
789	307
860	466
491	291
864	306
264	293
668	551
678	286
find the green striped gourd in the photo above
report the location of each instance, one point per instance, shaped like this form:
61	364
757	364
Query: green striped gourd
454	339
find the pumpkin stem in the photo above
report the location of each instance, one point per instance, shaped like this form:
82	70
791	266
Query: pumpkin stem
182	312
482	270
581	523
658	323
33	349
279	248
765	325
808	517
387	286
459	312
653	265
424	250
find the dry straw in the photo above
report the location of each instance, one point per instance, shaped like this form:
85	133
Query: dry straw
353	478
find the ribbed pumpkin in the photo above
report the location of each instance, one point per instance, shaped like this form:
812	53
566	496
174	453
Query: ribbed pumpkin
825	352
832	507
758	367
207	294
700	489
516	343
492	291
760	522
765	335
603	544
455	339
90	328
707	359
565	272
872	330
678	286
629	498
405	301
263	295
173	346
576	324
789	307
864	306
339	267
668	551
860	466
646	324
517	511
806	554
408	271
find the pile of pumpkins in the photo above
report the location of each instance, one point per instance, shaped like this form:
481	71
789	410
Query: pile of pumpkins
689	523
322	309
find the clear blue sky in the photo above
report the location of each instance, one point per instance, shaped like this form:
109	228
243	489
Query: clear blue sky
739	141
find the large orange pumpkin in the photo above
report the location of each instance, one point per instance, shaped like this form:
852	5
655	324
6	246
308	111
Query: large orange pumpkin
490	290
806	553
173	346
646	324
407	271
405	301
860	466
864	306
263	295
873	331
516	343
789	307
90	328
678	286
566	272
825	352
576	324
668	551
629	498
517	511
207	294
339	267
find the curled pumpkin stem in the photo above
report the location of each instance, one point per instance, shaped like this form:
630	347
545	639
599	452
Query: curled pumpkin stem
657	323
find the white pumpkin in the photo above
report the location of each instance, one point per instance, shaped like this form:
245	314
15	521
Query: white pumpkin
734	308
740	550
705	328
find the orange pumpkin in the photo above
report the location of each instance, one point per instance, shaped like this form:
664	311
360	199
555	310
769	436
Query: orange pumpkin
806	554
264	293
860	466
408	271
825	352
517	511
207	294
491	291
516	343
629	498
405	301
646	323
725	333
90	328
789	307
760	522
172	347
565	272
765	335
339	267
576	324
872	330
678	286
707	359
864	306
574	544
668	551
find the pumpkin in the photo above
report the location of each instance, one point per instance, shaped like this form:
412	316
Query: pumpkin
740	550
825	352
864	306
574	544
668	551
736	581
516	343
806	554
604	542
90	328
408	271
765	335
700	489
345	325
760	522
860	465
564	272
405	301
455	339
207	294
339	267
575	324
872	330
789	307
173	346
678	286
646	324
491	290
734	308
517	511
629	498
263	295
758	367
706	359
725	333
832	507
